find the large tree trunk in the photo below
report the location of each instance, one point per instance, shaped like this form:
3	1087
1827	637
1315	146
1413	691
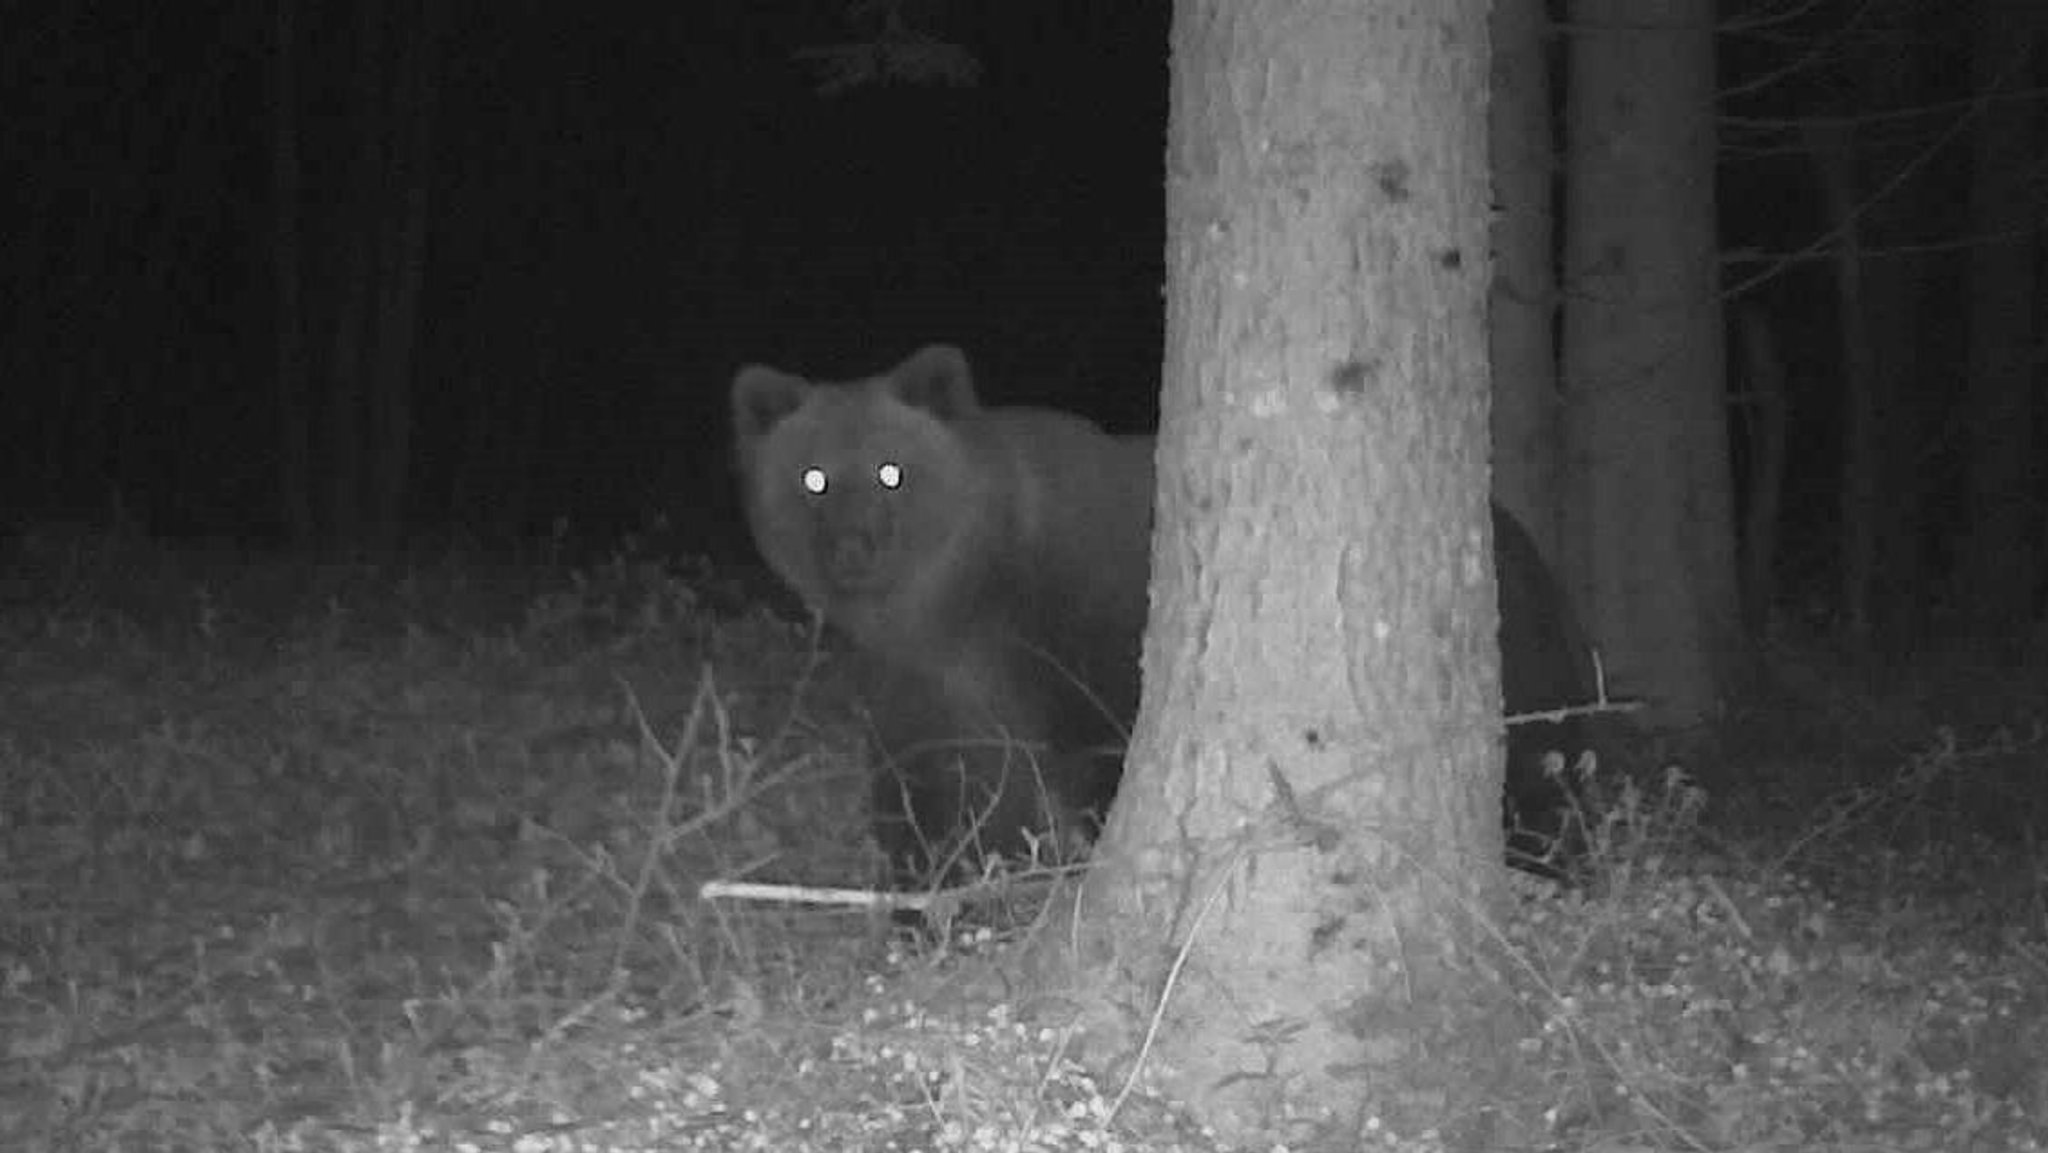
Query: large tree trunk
1650	532
1999	559
1528	417
1311	811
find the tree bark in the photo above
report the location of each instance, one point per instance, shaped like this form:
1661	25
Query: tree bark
1311	812
294	450
1878	213
349	263
408	107
1528	414
1650	528
1999	557
1868	324
1766	408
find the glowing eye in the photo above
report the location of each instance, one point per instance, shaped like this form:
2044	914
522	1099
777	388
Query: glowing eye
815	481
890	474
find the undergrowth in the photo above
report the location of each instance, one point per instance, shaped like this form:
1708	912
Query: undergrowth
295	857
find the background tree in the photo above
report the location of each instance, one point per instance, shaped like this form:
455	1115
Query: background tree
112	205
1875	215
1528	413
1650	518
1311	810
349	243
2002	547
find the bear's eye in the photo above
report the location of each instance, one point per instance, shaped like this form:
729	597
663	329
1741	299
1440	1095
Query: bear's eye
889	474
814	481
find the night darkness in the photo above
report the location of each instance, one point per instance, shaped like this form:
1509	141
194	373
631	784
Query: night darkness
628	201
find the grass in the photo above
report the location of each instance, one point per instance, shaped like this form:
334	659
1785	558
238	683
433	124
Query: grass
330	858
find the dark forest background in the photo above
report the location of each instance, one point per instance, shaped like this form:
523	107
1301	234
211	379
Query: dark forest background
619	204
627	202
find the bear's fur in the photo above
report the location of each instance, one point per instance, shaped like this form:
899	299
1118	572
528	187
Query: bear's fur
992	565
996	582
1545	664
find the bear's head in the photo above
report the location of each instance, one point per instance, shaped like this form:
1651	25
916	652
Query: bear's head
860	493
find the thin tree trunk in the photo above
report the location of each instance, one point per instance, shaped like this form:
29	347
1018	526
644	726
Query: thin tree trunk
1834	159
342	465
374	304
1999	557
407	111
294	455
1765	408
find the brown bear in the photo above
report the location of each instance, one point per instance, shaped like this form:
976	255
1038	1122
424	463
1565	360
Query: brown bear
992	565
1546	664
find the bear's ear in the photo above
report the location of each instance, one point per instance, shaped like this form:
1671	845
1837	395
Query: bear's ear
762	396
935	378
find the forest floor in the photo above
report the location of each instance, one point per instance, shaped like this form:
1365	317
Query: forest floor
297	858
